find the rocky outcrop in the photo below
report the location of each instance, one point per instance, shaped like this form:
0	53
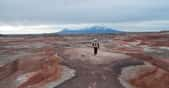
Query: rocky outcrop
154	39
31	71
157	78
144	76
45	71
8	69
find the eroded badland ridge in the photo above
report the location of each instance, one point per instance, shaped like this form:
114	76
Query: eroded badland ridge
132	60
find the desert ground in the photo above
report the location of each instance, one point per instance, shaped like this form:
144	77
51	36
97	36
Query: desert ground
128	60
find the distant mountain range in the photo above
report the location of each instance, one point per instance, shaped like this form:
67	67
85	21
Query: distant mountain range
90	30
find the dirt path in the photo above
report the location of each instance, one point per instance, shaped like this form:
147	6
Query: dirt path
99	71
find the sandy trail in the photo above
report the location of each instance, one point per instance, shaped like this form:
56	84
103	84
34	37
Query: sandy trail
99	71
86	55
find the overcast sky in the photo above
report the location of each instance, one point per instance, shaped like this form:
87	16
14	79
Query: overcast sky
128	15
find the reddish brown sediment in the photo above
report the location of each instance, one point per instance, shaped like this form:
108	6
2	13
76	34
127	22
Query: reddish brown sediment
139	53
48	71
156	78
161	63
27	61
154	39
8	69
39	68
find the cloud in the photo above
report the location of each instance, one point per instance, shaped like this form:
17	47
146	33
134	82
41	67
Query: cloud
38	29
143	26
82	11
139	26
45	16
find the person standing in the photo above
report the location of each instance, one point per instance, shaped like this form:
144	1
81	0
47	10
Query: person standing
96	46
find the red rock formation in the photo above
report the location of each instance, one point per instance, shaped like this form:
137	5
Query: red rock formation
8	69
34	70
158	39
48	71
138	52
156	78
